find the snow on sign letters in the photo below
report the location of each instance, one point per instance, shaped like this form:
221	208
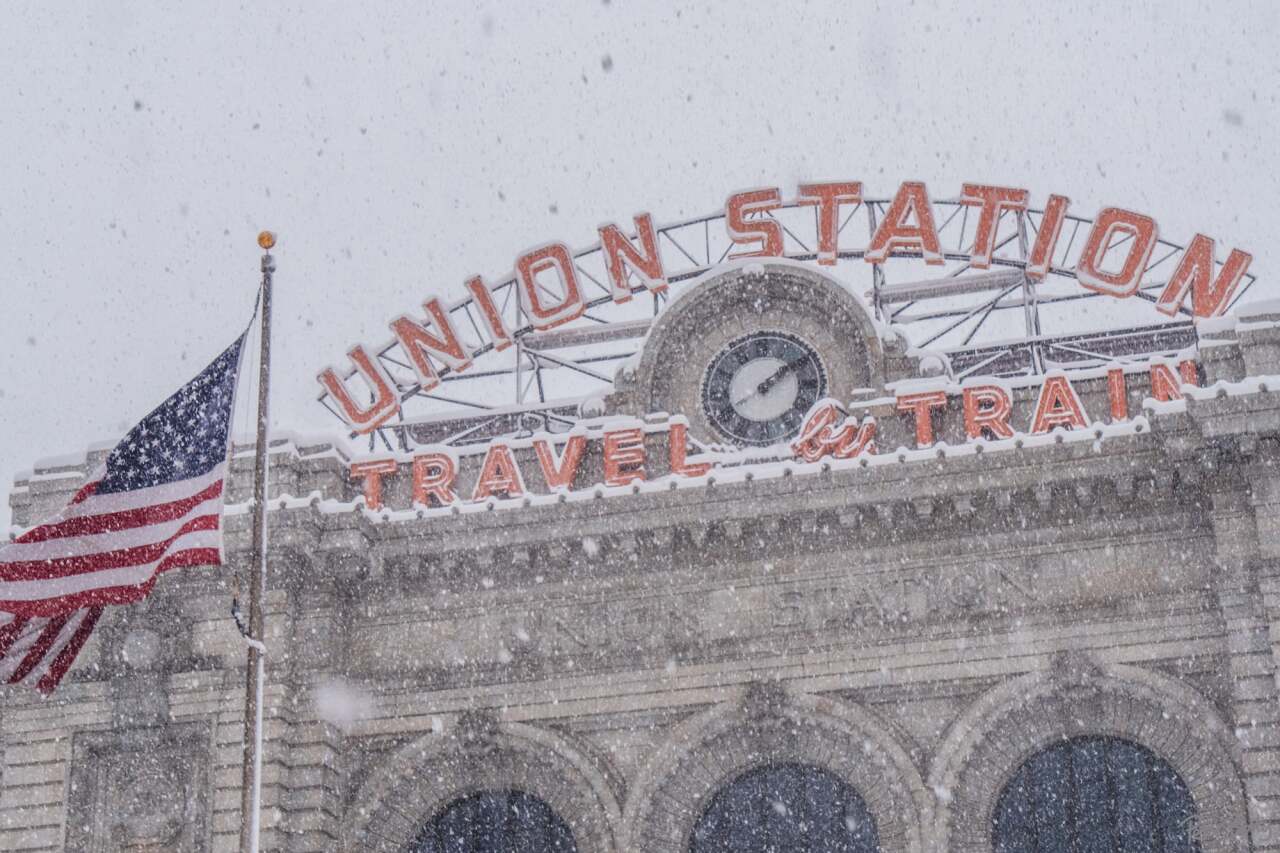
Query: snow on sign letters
601	452
1111	258
623	455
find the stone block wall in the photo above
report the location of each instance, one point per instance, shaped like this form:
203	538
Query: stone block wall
918	629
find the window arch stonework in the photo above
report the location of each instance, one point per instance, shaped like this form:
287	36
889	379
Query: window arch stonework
795	807
767	727
987	746
406	790
494	821
1095	792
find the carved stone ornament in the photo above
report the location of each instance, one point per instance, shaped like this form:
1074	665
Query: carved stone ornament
140	790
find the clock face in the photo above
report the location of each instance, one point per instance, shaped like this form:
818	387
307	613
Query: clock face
759	387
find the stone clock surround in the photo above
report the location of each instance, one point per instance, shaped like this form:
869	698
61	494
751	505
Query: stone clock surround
758	297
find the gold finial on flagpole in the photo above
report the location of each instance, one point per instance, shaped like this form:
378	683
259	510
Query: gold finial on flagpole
267	240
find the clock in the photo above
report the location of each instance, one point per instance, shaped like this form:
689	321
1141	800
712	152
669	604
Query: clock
758	388
745	353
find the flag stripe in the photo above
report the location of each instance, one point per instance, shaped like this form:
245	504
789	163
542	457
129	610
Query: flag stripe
85	491
62	568
67	655
97	543
41	646
125	591
126	574
11	632
60	640
112	522
30	633
97	504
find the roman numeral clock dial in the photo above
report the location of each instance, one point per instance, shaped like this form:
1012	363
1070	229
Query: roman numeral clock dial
758	388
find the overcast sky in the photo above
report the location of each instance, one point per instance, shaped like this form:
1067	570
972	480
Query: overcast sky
399	148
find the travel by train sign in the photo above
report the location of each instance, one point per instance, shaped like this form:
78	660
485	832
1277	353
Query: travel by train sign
1113	255
621	455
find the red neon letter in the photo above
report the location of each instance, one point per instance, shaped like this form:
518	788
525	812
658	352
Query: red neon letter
854	439
1111	221
820	437
677	440
498	474
828	198
992	201
559	474
433	476
987	407
1058	406
554	256
896	233
483	300
816	434
384	405
372	470
1117	395
623	456
618	251
1165	385
765	231
419	344
1055	213
922	405
1194	274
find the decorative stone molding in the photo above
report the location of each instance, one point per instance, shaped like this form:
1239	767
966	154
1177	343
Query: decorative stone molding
1078	696
139	790
416	782
768	725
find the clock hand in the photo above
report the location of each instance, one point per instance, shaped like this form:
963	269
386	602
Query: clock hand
774	379
768	383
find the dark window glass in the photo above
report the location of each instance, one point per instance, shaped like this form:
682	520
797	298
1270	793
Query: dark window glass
787	808
495	822
1095	795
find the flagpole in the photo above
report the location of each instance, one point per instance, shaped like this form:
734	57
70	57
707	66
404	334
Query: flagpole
251	789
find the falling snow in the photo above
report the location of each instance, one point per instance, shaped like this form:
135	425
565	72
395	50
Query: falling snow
1010	618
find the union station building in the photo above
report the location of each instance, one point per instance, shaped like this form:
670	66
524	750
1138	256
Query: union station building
983	606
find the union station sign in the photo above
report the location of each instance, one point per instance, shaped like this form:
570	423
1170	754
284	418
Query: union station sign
769	395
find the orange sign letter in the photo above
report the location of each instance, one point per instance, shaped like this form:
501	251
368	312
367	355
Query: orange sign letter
1209	296
992	201
529	266
1112	221
828	198
987	407
384	405
896	233
764	230
619	253
922	405
1058	406
372	470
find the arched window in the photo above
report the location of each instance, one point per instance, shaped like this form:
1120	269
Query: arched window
786	808
1095	795
495	822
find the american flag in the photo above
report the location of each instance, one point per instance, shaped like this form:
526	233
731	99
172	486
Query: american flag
155	505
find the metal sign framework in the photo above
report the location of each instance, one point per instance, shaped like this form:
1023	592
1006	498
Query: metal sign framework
997	321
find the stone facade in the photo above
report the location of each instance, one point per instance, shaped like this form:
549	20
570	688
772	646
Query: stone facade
918	630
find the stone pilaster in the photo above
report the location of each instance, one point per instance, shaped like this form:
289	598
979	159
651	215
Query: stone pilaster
314	747
1243	546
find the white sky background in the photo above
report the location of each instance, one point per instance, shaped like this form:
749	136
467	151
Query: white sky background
399	148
